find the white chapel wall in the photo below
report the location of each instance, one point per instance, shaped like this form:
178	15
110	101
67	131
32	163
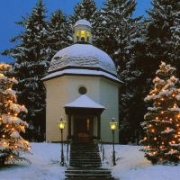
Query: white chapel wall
64	89
109	98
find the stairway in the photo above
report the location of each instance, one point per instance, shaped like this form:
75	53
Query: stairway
85	155
85	163
88	174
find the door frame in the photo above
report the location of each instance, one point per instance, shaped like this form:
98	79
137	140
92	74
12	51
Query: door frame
84	133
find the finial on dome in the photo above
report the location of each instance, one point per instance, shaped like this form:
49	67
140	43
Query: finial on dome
82	31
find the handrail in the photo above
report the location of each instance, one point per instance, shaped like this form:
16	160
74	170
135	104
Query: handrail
69	141
101	150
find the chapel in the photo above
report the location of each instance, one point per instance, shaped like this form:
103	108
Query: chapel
82	88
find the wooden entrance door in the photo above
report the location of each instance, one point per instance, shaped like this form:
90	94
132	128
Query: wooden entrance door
83	129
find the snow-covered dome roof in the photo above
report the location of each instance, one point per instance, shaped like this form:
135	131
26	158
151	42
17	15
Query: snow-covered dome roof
82	56
83	22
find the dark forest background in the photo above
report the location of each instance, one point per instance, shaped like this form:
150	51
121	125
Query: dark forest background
136	44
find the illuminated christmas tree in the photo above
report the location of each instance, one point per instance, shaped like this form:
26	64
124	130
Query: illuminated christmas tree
11	126
162	121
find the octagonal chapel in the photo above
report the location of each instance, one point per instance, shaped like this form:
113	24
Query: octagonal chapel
82	87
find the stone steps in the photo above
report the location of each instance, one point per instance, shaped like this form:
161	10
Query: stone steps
85	163
96	174
90	178
84	155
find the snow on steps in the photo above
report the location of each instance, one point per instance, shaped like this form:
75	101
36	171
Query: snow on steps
79	173
85	163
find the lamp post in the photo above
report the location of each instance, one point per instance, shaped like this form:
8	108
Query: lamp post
61	125
113	126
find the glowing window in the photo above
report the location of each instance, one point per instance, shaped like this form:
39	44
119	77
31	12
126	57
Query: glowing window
77	33
88	124
82	33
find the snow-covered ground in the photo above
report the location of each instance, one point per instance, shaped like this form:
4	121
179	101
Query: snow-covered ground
131	165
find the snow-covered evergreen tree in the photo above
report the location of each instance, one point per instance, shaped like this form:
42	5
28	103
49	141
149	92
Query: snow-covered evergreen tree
151	46
122	36
30	66
115	29
162	121
11	126
84	10
133	90
131	103
162	18
175	42
59	33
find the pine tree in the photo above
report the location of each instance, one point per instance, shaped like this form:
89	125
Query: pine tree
162	121
11	126
59	33
131	104
84	10
175	42
156	43
132	91
122	37
162	18
30	66
114	29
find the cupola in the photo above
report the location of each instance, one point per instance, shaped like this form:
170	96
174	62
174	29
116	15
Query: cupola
82	57
82	32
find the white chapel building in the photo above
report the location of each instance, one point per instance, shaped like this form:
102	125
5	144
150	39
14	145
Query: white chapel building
82	87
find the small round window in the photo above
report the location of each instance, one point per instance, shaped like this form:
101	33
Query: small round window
82	90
